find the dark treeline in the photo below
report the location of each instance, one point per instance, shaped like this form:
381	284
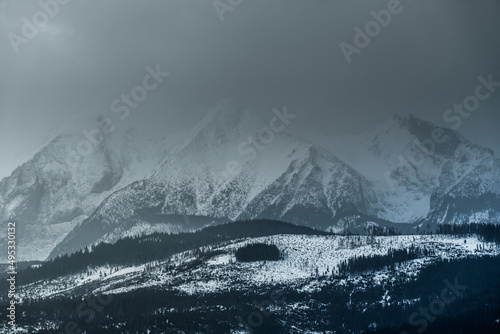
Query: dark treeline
377	262
487	232
157	246
257	252
20	265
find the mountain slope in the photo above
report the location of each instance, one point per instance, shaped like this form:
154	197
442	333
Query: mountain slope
54	191
287	179
231	165
416	165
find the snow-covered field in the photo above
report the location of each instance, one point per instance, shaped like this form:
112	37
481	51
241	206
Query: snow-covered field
305	257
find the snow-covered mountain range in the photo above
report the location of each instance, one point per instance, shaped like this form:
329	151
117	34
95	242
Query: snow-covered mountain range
238	164
424	173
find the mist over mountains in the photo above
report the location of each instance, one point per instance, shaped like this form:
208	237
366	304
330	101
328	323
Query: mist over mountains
264	166
236	164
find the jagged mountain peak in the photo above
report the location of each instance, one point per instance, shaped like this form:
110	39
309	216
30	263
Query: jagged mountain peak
222	169
59	187
439	140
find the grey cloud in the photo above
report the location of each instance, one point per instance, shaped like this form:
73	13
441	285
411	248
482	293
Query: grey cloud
266	53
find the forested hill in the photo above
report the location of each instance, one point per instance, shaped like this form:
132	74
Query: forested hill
158	246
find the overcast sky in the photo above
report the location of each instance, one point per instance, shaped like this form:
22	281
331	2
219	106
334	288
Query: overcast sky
264	53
